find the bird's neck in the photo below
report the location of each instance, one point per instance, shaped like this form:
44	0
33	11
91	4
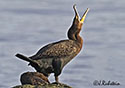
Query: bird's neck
71	36
76	37
79	40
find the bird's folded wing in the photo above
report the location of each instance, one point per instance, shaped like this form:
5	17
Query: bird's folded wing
59	49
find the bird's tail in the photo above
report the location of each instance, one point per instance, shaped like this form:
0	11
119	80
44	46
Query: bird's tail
25	58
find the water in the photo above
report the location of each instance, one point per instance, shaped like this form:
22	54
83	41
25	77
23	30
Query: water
27	25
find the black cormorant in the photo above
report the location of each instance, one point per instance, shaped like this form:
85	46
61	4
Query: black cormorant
54	56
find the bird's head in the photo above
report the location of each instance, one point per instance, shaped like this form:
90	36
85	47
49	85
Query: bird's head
76	27
78	22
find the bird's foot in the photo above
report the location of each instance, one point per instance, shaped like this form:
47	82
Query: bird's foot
57	83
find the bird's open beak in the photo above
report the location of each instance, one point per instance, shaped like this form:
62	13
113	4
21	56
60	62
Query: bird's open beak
76	12
84	16
77	15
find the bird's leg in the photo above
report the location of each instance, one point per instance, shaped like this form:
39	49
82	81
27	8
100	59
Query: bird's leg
57	68
57	79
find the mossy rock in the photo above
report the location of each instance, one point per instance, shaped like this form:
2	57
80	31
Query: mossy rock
38	80
43	86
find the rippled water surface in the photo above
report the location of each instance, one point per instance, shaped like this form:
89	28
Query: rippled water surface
27	25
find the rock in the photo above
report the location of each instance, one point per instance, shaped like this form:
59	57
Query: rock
37	80
43	86
33	78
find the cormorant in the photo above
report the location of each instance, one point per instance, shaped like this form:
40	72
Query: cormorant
54	56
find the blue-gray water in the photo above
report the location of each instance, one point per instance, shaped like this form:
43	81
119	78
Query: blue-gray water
27	25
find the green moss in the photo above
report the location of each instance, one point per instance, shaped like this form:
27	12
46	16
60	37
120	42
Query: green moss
43	86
